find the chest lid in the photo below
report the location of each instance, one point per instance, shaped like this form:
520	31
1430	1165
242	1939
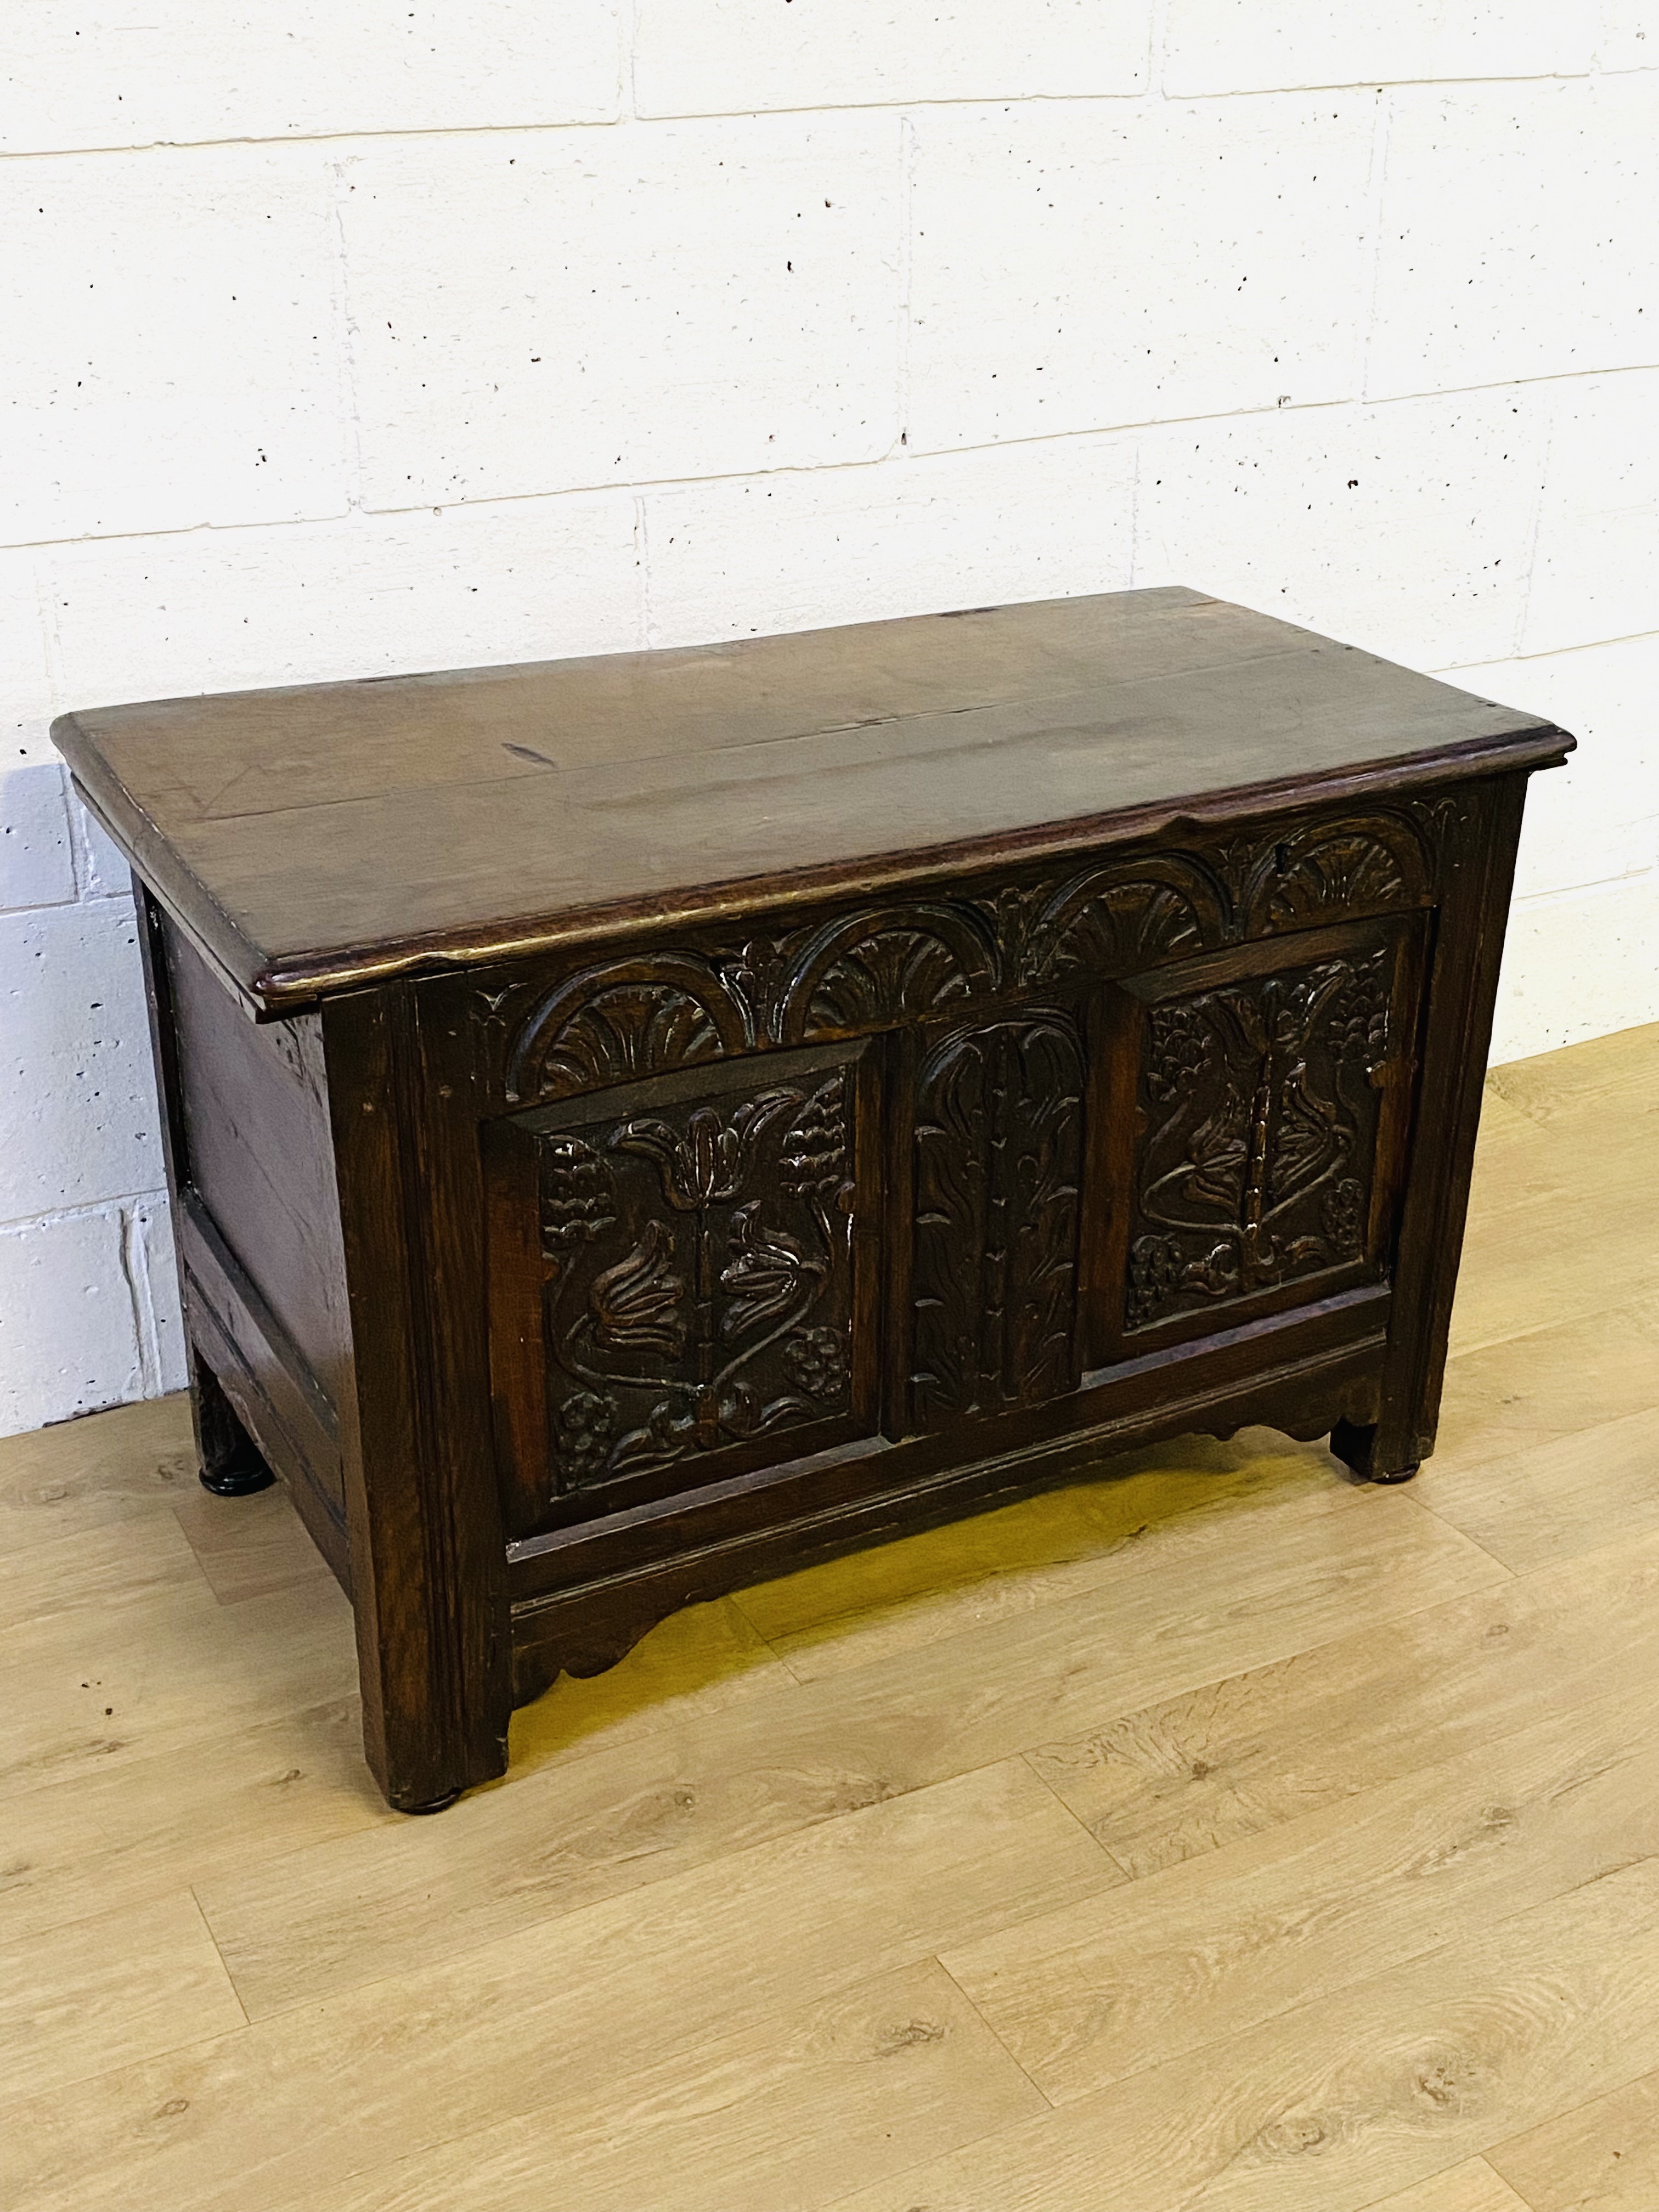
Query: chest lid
321	837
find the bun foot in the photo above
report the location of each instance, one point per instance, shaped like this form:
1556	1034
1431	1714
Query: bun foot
437	1805
1354	1442
239	1479
1400	1474
231	1463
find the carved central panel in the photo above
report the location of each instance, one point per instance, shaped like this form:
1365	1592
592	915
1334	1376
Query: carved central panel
698	1274
998	1140
1261	1102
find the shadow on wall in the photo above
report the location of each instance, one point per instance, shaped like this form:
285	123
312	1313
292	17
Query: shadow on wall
83	1222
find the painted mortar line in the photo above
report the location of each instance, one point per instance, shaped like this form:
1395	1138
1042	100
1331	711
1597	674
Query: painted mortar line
1592	73
622	488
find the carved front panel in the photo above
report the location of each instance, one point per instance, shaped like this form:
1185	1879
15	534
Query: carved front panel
998	1166
1262	1104
699	1243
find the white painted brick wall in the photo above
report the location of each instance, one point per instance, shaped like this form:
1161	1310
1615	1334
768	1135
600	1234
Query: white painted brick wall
676	299
1518	228
171	355
1079	265
1287	511
344	340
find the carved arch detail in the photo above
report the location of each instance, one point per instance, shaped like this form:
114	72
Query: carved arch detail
878	965
625	1018
1362	864
644	1015
1158	908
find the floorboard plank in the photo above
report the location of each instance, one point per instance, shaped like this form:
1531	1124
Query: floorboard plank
1474	2186
1373	2089
118	1836
95	1573
1275	1580
1239	1755
1188	1958
1548	1385
1556	1500
90	1688
821	2099
1606	1083
1602	2157
571	2008
247	1547
126	1465
107	1992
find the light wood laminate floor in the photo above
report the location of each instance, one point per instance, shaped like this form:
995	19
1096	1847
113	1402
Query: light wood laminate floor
1215	1834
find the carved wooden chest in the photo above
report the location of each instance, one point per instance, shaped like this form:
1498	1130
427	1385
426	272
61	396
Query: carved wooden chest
637	1125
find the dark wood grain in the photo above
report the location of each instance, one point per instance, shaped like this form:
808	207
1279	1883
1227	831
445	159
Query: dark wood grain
255	1107
764	1099
324	836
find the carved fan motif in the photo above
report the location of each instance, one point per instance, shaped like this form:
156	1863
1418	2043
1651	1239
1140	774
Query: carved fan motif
1362	866
1126	916
609	1024
885	966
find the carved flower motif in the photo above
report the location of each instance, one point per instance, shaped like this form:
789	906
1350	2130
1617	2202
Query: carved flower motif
576	1195
1344	1214
815	1361
707	1164
583	1428
1181	1048
1156	1268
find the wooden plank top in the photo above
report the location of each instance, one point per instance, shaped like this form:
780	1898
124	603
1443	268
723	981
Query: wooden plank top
315	838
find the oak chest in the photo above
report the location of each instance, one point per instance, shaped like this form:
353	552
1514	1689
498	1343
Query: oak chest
637	1125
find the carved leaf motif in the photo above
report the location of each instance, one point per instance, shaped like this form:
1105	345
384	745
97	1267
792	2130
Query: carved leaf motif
762	1273
998	1157
634	1305
1445	819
